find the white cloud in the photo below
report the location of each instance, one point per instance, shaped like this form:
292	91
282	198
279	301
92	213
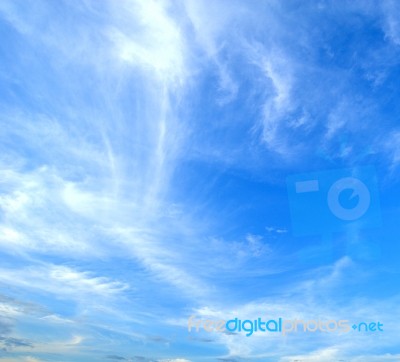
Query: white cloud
21	359
93	178
391	21
332	354
62	281
392	146
311	298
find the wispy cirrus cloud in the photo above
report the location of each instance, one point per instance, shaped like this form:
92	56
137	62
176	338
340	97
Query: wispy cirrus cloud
143	152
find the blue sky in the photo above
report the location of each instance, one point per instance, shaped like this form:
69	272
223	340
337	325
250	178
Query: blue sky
145	150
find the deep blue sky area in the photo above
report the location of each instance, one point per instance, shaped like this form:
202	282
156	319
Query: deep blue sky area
165	165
